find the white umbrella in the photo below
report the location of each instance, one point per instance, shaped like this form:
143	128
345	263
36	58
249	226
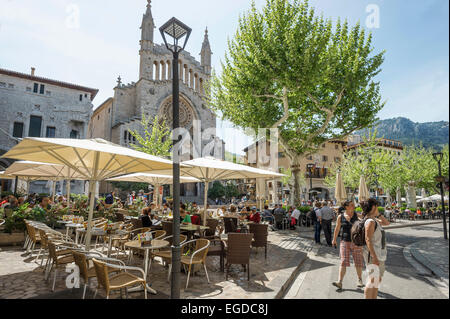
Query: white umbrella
210	169
340	193
260	191
3	175
156	180
96	160
45	171
363	192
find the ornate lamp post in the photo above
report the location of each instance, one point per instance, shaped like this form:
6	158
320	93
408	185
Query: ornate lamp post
176	30
438	158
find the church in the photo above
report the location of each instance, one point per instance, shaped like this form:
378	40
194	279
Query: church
151	96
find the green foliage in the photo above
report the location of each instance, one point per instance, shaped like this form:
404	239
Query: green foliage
217	190
304	209
157	138
130	186
16	221
231	190
290	69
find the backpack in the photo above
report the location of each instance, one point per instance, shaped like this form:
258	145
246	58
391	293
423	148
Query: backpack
312	215
358	232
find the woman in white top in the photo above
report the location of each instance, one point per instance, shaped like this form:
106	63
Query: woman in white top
375	251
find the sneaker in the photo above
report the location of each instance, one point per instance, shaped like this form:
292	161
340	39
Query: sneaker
360	284
338	285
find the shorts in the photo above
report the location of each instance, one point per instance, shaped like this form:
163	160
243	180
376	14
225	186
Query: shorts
381	266
357	254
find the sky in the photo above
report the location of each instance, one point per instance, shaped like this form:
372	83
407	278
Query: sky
92	42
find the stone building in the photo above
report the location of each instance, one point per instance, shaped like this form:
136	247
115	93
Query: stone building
34	106
313	185
151	95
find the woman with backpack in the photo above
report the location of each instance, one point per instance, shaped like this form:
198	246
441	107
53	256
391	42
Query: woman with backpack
375	251
344	222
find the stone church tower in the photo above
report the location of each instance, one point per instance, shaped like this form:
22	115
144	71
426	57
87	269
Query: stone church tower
152	95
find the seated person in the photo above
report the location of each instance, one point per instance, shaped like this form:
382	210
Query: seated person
146	221
255	216
267	215
167	209
185	218
155	221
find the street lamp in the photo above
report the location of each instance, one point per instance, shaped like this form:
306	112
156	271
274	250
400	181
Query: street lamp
310	167
177	30
438	158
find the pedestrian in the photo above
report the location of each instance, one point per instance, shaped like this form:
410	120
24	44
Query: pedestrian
315	215
375	251
344	222
326	218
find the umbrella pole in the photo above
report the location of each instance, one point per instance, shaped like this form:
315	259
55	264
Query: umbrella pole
53	190
91	213
68	190
205	213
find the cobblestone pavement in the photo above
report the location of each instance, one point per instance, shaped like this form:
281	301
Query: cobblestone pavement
21	276
401	280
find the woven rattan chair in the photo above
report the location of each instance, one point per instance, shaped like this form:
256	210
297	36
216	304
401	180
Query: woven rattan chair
137	223
218	250
57	258
260	233
123	280
55	237
231	224
198	256
81	259
211	232
167	227
33	236
166	253
238	251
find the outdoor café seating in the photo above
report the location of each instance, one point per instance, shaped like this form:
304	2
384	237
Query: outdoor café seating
198	257
122	280
260	233
238	250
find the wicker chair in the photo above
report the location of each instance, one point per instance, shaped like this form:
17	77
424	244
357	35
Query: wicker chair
57	258
120	217
218	250
33	238
211	232
55	237
81	259
167	227
137	223
120	281
260	233
231	224
238	251
198	256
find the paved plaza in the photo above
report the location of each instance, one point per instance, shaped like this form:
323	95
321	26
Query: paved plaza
22	277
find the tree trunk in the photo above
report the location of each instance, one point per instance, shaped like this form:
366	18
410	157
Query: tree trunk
296	171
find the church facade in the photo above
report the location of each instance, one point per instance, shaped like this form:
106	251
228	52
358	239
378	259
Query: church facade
151	96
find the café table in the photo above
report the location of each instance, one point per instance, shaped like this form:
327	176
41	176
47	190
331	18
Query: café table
153	244
191	229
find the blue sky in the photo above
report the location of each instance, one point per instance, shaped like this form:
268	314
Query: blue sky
105	43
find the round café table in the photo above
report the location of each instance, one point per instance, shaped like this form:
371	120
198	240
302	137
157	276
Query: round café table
154	244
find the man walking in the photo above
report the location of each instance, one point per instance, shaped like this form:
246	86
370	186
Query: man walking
326	217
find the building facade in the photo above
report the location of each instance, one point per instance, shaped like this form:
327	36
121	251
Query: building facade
34	106
151	96
314	168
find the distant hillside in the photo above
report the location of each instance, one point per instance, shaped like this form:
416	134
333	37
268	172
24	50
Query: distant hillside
431	134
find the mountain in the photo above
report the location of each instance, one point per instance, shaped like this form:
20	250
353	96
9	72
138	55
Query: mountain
431	134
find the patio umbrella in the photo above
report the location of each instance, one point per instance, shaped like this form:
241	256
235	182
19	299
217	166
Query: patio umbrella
3	175
340	193
363	192
388	198
208	169
45	171
95	160
260	191
154	179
